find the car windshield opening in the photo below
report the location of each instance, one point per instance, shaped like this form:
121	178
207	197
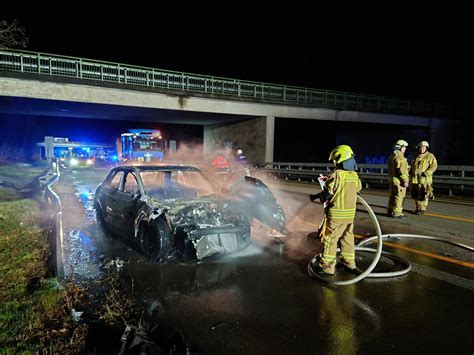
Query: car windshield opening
178	184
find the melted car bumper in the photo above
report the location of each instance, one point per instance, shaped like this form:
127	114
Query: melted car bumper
220	240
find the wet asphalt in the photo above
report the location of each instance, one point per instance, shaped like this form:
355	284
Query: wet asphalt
261	300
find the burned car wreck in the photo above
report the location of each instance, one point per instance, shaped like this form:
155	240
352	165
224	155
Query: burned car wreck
177	211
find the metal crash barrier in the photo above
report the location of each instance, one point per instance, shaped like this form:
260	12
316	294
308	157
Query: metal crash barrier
457	180
54	204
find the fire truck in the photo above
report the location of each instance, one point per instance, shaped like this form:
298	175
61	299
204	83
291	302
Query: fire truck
141	145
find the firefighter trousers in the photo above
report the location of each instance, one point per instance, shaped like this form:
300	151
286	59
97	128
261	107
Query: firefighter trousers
342	233
395	202
421	193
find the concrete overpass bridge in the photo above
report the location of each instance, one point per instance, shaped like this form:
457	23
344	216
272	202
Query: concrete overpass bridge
243	112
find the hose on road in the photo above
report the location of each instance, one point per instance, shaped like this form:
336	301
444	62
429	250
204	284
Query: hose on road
379	237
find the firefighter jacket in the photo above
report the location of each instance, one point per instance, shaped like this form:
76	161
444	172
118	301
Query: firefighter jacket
398	168
343	186
220	162
423	167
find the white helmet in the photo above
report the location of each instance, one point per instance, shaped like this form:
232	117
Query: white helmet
401	143
425	143
239	151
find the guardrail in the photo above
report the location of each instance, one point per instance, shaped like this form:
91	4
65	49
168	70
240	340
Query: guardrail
80	68
54	203
454	178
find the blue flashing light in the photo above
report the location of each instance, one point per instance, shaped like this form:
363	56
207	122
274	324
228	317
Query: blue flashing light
114	157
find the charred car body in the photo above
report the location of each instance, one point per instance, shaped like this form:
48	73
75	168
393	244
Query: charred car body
176	210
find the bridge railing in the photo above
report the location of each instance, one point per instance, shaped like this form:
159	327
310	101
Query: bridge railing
455	179
101	71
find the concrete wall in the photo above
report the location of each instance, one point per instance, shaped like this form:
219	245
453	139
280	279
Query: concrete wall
250	136
374	144
451	141
311	141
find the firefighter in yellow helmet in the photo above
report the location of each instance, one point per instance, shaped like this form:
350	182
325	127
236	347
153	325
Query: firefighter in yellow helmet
398	179
340	196
423	167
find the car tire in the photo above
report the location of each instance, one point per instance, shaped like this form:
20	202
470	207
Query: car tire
154	239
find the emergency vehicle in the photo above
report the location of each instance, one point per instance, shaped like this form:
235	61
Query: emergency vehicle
141	145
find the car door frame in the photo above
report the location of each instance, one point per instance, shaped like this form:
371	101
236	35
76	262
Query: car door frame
107	196
127	204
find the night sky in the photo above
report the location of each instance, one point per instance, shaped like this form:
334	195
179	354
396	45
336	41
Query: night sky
429	62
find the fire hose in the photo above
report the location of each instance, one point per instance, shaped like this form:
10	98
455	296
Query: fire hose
379	237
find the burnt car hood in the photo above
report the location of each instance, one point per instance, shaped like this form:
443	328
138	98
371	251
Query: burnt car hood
212	225
202	213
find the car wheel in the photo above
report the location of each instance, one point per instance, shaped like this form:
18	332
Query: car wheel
154	239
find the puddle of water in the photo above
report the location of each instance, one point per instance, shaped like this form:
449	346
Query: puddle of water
86	197
82	259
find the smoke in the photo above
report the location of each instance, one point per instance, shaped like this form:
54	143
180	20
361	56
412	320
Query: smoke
301	213
187	154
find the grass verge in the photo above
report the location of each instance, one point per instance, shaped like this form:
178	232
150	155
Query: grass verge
34	310
37	312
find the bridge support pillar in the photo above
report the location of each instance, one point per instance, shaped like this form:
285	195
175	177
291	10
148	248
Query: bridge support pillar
269	138
254	136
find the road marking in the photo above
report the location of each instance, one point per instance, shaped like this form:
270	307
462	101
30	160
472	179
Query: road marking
415	251
435	215
449	217
421	252
442	200
434	256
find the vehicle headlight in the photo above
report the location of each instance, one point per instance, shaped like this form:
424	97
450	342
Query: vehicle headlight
74	162
89	162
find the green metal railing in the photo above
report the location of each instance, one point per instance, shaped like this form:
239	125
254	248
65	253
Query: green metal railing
80	68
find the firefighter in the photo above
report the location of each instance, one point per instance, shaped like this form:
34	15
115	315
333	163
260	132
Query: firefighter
398	179
423	167
220	164
241	164
221	169
340	194
240	158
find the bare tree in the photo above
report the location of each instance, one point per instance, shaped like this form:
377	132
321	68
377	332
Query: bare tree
12	34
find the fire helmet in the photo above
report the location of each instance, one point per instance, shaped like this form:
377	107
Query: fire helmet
401	143
425	143
341	153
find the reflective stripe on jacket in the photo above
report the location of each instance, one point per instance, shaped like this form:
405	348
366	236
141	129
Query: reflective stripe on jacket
398	168
343	186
